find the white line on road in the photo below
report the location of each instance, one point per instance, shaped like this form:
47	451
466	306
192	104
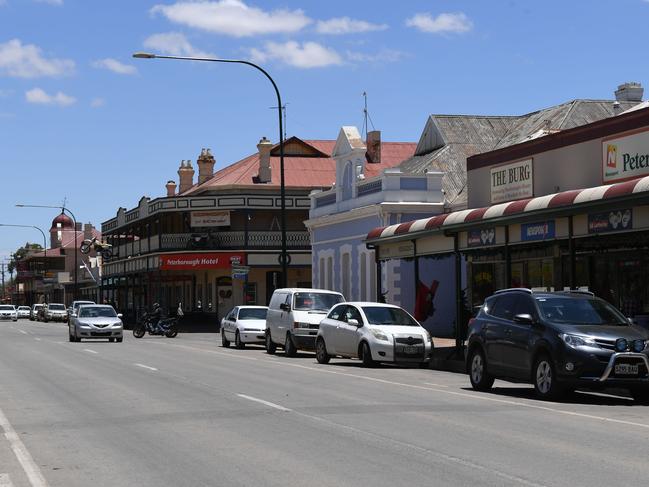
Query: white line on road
145	367
436	385
261	401
26	461
37	339
89	351
23	332
5	481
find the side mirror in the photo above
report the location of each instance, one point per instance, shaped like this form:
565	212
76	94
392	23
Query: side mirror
630	320
285	307
524	319
353	322
120	315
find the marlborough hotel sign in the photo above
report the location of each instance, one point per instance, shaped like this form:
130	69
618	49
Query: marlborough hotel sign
512	181
625	157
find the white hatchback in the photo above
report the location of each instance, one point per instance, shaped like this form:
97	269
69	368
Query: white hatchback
244	324
373	332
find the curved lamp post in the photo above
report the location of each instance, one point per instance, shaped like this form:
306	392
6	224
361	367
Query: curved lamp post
76	242
284	254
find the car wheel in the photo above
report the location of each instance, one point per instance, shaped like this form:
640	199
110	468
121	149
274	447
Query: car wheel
545	380
119	340
71	338
46	320
640	395
271	348
237	341
111	340
480	378
224	341
321	354
366	356
289	347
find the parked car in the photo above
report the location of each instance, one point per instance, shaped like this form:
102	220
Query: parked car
96	321
23	311
244	324
373	332
294	316
8	312
74	307
55	312
557	341
33	314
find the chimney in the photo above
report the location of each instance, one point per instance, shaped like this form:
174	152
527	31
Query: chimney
264	148
171	188
205	164
186	176
617	109
78	227
373	145
88	231
630	91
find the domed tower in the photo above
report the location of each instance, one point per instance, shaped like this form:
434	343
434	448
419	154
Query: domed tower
59	224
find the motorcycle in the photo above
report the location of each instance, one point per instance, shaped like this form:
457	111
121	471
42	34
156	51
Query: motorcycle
168	327
102	248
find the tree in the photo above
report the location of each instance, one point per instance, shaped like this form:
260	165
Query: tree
21	253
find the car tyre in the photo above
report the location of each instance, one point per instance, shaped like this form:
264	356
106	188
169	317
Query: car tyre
290	349
71	338
640	395
225	343
271	348
119	340
480	379
321	354
366	356
111	340
237	341
546	385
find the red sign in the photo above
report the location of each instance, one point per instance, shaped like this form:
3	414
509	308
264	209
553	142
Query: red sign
211	260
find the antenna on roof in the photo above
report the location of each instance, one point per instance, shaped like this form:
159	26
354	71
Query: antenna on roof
366	116
283	116
65	201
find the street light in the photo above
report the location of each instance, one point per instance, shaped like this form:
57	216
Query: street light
44	240
284	254
76	235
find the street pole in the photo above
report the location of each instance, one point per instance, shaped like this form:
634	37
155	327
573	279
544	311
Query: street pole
44	243
284	254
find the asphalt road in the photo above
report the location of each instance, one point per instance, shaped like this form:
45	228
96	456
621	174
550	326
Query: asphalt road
186	412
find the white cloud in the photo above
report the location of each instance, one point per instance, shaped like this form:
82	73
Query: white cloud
97	102
51	2
383	56
345	25
307	55
115	66
39	96
173	44
444	23
26	61
233	17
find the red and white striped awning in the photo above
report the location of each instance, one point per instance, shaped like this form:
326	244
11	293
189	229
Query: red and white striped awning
551	201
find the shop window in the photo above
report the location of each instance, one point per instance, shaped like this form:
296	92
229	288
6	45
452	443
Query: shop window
330	272
363	272
345	273
250	293
321	272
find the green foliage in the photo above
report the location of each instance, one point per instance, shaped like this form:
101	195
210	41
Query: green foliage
20	254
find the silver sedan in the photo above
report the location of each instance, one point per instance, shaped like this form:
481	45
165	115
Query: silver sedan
96	321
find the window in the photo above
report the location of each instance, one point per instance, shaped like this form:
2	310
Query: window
252	313
345	273
277	299
321	272
330	272
385	315
504	307
353	314
336	313
525	306
97	312
316	301
363	272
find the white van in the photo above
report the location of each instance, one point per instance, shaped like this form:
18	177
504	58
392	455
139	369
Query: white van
294	316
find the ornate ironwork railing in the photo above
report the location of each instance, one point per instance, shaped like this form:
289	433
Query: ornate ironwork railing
232	240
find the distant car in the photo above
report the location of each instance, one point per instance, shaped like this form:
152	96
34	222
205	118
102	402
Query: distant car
23	311
55	312
74	307
33	314
8	312
373	332
244	324
294	315
96	321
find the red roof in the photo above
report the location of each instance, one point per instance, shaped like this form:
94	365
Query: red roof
302	171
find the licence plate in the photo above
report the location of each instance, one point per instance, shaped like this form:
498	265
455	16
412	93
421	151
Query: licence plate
626	369
410	350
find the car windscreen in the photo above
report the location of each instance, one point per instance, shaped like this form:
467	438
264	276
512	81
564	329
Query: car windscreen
580	311
38	306
316	301
23	308
56	307
97	312
381	315
6	307
252	313
81	303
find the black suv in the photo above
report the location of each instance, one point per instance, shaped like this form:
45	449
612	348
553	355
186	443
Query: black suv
557	341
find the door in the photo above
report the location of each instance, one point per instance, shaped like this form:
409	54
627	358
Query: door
518	346
330	326
224	296
230	324
347	335
500	319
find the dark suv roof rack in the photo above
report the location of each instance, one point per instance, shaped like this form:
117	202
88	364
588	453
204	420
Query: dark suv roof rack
577	291
522	289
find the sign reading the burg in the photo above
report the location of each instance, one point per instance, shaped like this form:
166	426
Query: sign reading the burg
210	218
188	262
512	181
625	157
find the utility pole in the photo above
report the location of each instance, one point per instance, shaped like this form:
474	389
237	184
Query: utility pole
3	281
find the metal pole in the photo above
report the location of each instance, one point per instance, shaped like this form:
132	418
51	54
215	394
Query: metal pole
284	254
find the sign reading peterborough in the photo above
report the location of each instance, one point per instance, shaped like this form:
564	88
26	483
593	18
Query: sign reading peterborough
512	181
187	262
625	157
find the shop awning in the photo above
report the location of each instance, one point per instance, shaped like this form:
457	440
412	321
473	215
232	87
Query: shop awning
560	200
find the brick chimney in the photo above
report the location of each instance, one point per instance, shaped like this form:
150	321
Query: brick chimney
205	164
630	91
186	176
264	148
373	145
171	188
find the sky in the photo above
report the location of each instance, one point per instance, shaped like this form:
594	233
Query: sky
81	120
